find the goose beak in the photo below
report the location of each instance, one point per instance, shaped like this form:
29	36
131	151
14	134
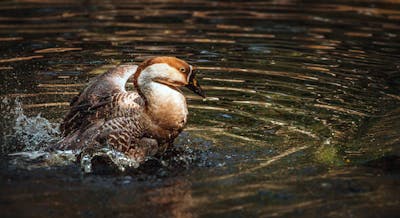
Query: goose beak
195	86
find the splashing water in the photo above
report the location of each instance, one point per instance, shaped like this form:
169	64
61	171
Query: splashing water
26	143
38	159
112	157
35	133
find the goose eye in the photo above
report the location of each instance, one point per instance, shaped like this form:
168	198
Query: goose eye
182	69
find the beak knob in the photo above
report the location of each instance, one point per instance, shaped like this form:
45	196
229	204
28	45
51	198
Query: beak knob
195	86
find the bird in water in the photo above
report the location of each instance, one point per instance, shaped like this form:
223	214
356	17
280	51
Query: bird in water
139	123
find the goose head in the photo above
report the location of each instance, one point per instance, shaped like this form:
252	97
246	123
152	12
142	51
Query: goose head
168	71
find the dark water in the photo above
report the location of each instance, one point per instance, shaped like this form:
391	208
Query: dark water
302	119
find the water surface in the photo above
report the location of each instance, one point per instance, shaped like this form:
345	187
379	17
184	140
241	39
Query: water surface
302	116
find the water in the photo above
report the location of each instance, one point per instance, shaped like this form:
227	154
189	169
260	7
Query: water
302	117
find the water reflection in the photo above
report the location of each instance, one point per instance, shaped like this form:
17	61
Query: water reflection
301	94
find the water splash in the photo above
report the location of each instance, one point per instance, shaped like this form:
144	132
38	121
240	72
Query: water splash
39	159
24	133
112	159
34	133
183	155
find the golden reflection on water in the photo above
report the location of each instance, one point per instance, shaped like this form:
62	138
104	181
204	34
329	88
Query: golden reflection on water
57	50
20	59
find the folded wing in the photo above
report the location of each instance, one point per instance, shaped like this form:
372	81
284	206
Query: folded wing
102	109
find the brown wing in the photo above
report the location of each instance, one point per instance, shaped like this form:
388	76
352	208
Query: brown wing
124	134
82	115
104	98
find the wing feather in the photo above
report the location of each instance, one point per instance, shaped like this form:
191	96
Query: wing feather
104	98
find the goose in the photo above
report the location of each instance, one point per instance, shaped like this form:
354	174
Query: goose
138	123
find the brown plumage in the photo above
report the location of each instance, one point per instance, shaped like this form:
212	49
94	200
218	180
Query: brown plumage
139	123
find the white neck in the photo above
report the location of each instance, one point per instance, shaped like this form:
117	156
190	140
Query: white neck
165	105
157	93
